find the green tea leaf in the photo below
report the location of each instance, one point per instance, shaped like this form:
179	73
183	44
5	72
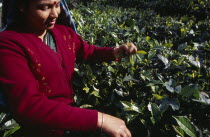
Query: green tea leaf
179	130
131	117
155	112
170	85
141	52
11	131
186	125
128	78
158	96
131	107
173	102
86	106
164	60
151	54
189	91
182	46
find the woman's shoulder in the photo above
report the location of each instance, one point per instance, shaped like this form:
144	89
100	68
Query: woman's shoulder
12	36
16	40
8	34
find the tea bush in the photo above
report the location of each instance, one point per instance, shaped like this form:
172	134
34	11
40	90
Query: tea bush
162	90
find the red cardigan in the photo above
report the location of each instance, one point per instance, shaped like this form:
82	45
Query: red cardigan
38	81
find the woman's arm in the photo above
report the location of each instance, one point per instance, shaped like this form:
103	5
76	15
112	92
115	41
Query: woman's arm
113	126
93	53
28	105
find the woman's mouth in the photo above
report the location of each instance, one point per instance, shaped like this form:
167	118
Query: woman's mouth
52	22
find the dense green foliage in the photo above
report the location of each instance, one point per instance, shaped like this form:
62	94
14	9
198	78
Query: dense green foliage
163	90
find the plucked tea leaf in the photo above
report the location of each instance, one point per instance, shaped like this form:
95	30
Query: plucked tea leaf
141	52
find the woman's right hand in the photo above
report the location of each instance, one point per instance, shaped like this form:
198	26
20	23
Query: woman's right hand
112	126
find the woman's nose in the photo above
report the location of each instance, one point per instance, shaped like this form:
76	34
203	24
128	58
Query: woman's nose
54	13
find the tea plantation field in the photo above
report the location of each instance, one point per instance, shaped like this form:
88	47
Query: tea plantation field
164	89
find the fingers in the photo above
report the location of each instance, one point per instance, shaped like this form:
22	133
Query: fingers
125	50
125	132
115	127
128	133
129	48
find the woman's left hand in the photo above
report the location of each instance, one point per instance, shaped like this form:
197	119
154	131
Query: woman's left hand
125	50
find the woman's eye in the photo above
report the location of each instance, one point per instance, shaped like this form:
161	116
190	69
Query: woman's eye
58	5
45	7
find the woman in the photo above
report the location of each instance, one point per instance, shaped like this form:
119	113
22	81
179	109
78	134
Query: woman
37	58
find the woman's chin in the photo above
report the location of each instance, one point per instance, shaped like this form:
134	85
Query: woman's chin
50	27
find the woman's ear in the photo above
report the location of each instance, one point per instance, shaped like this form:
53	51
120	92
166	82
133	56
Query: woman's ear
21	7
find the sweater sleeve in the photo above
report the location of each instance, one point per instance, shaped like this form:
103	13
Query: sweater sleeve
93	53
28	105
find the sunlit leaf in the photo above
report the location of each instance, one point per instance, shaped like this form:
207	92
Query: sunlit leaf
141	52
186	125
86	106
2	117
11	131
203	99
170	85
128	78
157	96
10	124
181	59
119	92
194	61
164	60
131	117
173	102
131	107
179	130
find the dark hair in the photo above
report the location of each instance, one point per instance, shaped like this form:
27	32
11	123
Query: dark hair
13	7
23	3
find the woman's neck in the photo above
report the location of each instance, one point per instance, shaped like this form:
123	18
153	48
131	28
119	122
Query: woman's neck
23	27
39	32
41	35
30	29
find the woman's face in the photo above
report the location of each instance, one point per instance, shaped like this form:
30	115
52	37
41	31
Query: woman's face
41	15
